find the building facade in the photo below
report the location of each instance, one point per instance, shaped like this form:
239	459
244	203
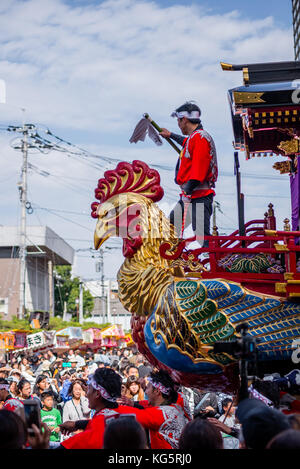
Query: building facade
107	306
296	26
44	250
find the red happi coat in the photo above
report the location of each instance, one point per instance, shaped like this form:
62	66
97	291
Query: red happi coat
165	424
92	436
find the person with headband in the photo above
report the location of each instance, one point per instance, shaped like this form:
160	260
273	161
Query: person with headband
164	414
164	417
104	388
196	172
164	421
7	401
4	391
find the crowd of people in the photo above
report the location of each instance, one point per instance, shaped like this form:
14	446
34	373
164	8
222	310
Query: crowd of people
114	399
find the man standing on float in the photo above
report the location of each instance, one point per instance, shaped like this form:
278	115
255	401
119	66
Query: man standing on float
196	172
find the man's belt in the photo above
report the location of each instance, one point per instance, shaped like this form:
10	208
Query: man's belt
200	186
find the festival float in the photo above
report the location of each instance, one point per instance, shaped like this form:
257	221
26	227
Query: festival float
185	301
113	336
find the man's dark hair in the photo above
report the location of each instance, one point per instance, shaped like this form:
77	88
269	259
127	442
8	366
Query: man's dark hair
124	433
4	381
165	379
13	431
200	434
111	382
189	106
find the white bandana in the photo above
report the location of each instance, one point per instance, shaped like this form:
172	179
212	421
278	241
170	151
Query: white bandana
256	395
189	115
101	389
159	386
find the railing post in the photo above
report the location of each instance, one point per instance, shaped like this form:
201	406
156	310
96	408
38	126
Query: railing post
271	219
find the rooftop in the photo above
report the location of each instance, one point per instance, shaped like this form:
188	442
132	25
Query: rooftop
39	238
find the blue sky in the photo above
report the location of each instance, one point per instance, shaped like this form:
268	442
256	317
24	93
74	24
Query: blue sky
281	10
89	70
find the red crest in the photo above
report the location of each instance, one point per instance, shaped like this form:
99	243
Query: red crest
128	177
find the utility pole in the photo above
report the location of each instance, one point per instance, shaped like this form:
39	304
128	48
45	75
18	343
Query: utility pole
101	262
108	302
51	298
65	311
23	198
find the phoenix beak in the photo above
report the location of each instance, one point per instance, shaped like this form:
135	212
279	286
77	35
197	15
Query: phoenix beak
101	233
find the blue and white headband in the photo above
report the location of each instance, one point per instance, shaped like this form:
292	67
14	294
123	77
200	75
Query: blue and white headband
4	386
159	386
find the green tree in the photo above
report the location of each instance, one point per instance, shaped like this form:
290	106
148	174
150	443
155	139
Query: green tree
66	289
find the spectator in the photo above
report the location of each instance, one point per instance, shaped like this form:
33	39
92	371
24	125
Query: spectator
134	389
289	439
208	405
132	371
104	387
50	416
56	369
15	366
35	363
73	362
200	434
70	354
44	368
41	384
228	416
66	383
142	365
4	391
4	371
123	369
24	364
77	407
15	374
13	386
123	389
51	357
80	360
260	423
124	433
13	431
24	389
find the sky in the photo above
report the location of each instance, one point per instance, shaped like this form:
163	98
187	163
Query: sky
89	70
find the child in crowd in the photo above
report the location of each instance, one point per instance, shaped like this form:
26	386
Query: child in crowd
229	418
50	416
